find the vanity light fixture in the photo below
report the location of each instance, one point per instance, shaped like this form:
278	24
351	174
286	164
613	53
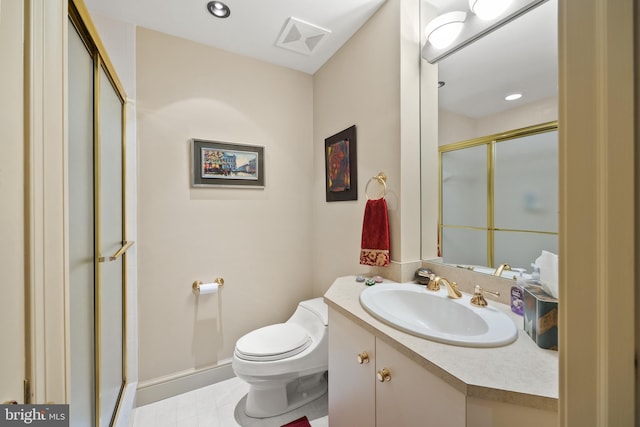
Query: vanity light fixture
472	27
488	9
444	29
218	9
513	96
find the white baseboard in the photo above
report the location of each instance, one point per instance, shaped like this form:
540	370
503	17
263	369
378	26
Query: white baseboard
169	386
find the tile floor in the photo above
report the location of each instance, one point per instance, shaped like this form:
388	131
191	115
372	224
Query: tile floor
220	405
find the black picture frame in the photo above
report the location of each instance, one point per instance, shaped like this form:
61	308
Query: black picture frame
226	164
341	166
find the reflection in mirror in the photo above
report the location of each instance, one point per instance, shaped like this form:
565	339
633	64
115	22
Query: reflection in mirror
501	207
464	177
520	57
463	204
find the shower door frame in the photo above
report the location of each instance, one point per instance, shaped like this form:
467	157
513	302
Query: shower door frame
81	20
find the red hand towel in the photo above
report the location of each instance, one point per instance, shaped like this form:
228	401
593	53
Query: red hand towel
375	234
300	422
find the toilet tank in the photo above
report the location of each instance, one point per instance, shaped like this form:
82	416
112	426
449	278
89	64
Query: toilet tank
313	315
318	307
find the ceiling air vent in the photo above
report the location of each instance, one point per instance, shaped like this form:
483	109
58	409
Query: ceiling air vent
301	36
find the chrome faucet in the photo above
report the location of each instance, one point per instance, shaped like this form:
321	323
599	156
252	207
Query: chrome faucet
452	287
502	268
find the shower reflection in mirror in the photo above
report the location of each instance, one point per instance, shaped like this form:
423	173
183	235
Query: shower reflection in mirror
499	198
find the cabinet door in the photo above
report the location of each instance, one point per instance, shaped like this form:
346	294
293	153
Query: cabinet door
351	384
413	396
488	413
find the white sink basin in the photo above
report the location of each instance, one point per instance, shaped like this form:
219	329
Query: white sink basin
431	315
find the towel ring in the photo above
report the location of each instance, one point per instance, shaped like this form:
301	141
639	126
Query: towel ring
382	179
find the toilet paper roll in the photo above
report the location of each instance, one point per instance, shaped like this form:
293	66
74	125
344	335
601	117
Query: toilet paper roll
209	288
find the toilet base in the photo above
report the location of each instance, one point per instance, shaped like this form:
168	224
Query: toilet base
268	399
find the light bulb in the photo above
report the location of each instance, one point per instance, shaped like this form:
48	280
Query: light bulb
444	29
488	9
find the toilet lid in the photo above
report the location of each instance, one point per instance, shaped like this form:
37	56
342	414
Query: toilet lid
273	342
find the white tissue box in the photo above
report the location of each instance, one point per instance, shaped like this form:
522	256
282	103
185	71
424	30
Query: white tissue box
541	317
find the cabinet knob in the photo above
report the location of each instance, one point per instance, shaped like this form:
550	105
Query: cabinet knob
384	375
363	358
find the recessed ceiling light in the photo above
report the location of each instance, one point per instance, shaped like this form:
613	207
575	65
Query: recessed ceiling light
218	9
513	96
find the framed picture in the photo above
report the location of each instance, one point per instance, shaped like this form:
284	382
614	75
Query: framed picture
224	164
341	166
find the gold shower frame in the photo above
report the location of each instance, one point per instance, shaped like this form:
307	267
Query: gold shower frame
80	18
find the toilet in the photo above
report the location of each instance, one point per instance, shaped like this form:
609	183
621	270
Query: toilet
285	364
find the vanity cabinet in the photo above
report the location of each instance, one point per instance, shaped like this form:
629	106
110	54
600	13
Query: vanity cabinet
514	385
373	384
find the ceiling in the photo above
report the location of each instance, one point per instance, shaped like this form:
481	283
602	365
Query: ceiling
253	27
521	56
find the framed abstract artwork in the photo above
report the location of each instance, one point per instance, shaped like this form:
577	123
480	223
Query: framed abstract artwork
224	164
341	166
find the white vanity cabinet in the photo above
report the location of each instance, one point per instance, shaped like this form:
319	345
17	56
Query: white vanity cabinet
408	394
514	385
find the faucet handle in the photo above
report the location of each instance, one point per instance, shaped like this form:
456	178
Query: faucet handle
434	282
478	298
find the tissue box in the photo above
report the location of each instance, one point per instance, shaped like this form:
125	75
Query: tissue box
541	317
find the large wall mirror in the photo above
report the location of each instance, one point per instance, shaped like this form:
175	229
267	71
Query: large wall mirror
485	140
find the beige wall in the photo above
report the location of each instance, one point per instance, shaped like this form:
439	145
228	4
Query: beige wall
12	223
258	240
545	110
361	85
285	243
454	127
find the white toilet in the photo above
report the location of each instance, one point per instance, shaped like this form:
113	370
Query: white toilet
285	364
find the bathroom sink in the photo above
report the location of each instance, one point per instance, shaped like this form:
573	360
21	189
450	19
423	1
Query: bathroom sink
414	309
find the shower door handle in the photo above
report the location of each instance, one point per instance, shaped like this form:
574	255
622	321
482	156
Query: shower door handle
126	245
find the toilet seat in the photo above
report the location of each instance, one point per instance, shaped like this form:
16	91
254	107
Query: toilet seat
273	342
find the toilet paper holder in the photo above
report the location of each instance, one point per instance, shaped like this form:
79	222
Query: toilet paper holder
196	285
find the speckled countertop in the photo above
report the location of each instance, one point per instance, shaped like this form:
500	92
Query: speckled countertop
520	373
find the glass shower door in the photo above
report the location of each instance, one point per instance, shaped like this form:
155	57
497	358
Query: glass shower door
82	231
110	247
97	243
